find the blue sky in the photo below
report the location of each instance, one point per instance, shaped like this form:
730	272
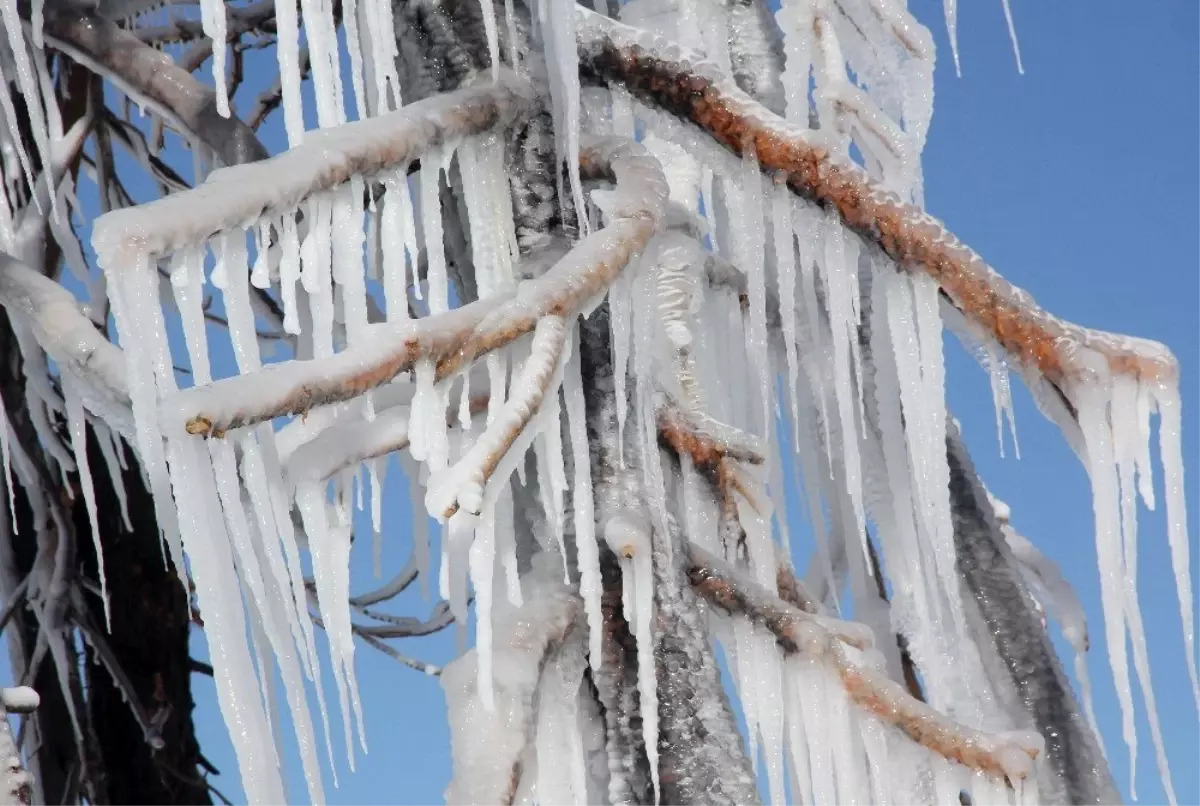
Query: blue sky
1077	182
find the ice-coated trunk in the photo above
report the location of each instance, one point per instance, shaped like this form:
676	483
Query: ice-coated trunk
1077	769
701	759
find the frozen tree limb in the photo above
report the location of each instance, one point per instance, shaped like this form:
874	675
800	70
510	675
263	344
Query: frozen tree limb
1010	755
62	330
464	483
458	337
328	158
487	744
150	77
682	83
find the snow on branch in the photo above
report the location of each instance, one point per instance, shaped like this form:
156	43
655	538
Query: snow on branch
800	633
682	83
235	197
66	335
451	341
463	484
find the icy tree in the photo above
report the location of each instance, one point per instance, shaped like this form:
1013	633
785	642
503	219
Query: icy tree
603	281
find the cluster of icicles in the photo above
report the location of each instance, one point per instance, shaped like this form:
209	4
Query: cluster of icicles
867	421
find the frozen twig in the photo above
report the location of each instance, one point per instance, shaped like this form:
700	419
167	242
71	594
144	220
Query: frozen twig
464	483
682	83
455	339
1009	754
726	587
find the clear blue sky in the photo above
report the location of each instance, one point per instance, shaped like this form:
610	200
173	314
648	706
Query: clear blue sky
1078	182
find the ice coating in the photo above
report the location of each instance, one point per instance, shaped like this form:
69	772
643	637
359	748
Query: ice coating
436	349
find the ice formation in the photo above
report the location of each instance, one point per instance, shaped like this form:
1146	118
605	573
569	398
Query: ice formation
738	311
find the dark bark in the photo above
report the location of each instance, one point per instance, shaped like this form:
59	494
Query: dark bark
149	638
990	574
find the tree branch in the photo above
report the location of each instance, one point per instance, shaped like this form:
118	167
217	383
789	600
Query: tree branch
682	83
455	339
152	78
1010	754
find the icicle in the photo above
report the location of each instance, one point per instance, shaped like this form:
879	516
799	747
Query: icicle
1170	432
488	9
329	547
558	34
381	28
1012	35
950	9
582	503
77	424
288	52
795	18
628	535
1001	397
506	546
110	447
559	780
187	281
835	274
399	243
420	526
750	230
1126	433
212	19
1091	403
289	273
482	564
324	61
431	218
621	323
315	273
785	265
34	112
6	457
354	45
347	257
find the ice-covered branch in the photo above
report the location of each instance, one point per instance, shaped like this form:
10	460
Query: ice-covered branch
725	587
799	633
682	83
63	331
150	77
464	483
454	339
487	743
234	197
